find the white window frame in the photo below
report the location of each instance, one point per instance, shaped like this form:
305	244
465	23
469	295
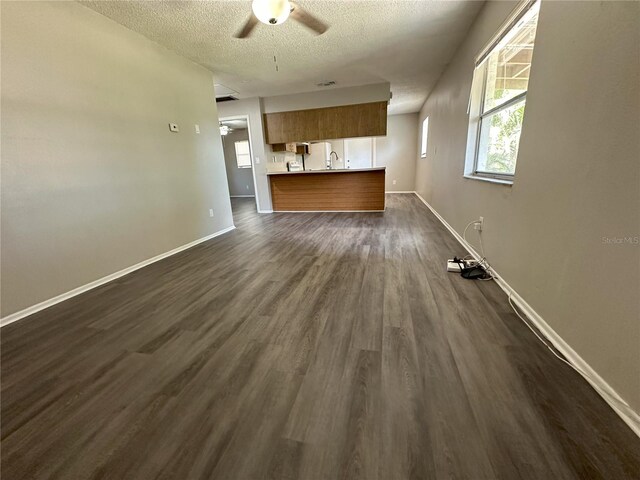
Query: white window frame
477	99
246	156
425	137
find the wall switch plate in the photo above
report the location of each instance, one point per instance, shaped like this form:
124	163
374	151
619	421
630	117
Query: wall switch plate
211	212
173	127
257	160
394	182
197	128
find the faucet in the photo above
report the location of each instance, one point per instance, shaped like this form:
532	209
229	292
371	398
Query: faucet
330	161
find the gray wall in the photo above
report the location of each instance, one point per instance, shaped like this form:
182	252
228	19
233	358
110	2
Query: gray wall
240	179
398	152
577	181
92	179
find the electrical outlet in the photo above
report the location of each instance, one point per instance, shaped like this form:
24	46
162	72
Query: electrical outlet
211	212
394	182
257	160
479	225
247	187
197	128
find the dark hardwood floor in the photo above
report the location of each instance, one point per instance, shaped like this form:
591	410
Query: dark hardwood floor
300	346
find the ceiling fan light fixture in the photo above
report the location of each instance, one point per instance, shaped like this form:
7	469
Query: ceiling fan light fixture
225	130
271	12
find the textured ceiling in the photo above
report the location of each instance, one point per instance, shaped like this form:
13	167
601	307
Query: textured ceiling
407	43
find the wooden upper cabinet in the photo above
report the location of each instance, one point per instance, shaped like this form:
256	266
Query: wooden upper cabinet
282	147
345	121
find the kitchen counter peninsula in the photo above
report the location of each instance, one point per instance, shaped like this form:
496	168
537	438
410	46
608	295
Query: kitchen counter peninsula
340	190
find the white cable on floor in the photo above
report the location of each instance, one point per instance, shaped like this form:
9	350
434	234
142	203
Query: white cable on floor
481	245
484	264
584	375
464	236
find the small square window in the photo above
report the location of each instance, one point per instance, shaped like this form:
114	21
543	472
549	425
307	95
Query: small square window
243	154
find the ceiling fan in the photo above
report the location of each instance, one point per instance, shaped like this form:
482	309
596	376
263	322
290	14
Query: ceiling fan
225	129
275	12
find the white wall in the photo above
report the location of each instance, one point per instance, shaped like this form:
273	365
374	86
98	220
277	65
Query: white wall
240	179
92	179
398	152
577	181
317	157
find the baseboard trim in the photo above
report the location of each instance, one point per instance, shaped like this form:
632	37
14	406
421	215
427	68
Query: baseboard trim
399	191
265	211
242	196
628	415
14	317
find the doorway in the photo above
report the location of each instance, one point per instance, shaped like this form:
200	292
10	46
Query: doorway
238	158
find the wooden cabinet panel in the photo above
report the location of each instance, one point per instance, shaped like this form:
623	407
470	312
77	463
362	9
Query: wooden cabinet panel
282	147
346	121
329	124
338	191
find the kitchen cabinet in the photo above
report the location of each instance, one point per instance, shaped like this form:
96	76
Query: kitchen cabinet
282	147
345	121
328	190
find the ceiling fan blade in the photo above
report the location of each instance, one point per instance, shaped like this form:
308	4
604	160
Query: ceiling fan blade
301	15
252	21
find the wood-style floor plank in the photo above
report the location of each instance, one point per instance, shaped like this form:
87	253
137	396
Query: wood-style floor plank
300	346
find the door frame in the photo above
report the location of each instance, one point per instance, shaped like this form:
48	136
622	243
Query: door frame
253	165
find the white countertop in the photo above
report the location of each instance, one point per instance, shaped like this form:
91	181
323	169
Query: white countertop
337	170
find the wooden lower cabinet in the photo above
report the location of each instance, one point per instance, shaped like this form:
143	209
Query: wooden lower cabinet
339	190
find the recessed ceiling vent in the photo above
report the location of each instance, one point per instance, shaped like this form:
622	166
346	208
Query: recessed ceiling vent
329	83
227	98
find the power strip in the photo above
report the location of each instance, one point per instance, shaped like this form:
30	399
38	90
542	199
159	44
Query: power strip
455	265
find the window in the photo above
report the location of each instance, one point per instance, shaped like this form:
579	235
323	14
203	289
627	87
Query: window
498	98
425	136
243	155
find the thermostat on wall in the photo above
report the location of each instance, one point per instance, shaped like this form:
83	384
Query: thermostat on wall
173	127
